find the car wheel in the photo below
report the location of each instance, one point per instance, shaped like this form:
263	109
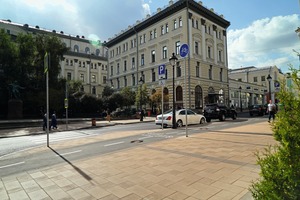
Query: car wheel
202	120
208	119
179	123
234	115
222	117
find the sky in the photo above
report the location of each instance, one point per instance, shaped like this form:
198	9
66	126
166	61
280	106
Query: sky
262	32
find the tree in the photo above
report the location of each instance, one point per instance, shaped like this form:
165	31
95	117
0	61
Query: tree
280	166
142	97
155	98
107	91
128	97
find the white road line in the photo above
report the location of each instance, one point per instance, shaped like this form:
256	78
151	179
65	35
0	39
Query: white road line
113	144
62	154
19	163
146	137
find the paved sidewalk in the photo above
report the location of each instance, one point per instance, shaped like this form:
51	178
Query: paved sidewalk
72	125
212	165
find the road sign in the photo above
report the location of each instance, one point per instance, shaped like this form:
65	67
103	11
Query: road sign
276	84
161	72
162	82
184	50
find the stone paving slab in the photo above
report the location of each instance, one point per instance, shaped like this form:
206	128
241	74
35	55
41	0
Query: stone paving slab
214	165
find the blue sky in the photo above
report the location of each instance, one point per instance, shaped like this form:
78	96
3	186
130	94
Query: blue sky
262	32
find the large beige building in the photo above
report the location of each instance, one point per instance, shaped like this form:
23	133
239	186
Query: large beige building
85	61
138	51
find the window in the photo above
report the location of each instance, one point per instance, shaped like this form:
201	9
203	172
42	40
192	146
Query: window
142	60
167	28
69	76
180	21
193	23
153	75
94	90
153	56
209	51
71	62
118	68
220	55
87	50
125	81
76	48
197	26
82	77
118	83
165	52
155	33
175	24
104	80
210	72
162	30
132	63
151	35
198	69
198	97
179	93
133	79
112	53
177	47
178	69
94	78
67	62
141	39
125	65
111	70
263	78
144	38
196	48
255	79
221	74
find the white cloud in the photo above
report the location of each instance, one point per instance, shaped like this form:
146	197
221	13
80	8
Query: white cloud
265	42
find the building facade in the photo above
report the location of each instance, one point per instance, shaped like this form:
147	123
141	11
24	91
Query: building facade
85	61
136	53
256	78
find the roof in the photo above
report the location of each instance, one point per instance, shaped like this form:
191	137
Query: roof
168	11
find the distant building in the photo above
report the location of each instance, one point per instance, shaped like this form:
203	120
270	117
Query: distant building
136	53
85	61
258	76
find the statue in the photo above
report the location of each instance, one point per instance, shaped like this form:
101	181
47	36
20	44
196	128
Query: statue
14	90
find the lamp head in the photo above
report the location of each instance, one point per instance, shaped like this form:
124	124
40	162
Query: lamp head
173	59
269	78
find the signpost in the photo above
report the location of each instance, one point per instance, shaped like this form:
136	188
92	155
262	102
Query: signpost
162	82
184	51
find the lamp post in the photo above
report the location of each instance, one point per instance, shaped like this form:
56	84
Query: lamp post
141	98
241	104
269	78
173	60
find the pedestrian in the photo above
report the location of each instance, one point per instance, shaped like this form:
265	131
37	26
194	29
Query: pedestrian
271	110
108	115
53	121
44	122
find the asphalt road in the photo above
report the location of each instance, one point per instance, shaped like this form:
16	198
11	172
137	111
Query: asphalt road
14	157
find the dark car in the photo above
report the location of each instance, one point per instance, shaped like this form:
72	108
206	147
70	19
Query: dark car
219	111
257	109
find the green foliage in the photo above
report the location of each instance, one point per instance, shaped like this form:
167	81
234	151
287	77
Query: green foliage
128	97
280	166
142	97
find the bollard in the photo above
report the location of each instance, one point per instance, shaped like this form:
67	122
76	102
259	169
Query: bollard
93	122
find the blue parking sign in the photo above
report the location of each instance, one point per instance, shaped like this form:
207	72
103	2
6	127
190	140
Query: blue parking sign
161	71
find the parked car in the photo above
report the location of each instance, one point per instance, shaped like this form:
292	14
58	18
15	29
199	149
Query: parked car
192	118
257	109
218	111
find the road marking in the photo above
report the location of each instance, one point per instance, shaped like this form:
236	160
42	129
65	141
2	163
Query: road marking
62	154
111	144
142	138
19	163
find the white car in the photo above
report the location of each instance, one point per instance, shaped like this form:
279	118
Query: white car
192	118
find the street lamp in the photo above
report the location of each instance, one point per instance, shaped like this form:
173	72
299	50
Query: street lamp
173	60
269	78
141	81
241	104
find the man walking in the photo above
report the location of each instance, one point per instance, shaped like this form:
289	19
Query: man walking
271	110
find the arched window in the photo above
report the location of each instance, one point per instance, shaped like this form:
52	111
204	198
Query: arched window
198	97
97	52
87	50
179	93
76	48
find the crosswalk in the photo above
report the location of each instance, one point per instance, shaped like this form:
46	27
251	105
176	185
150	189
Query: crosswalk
59	136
